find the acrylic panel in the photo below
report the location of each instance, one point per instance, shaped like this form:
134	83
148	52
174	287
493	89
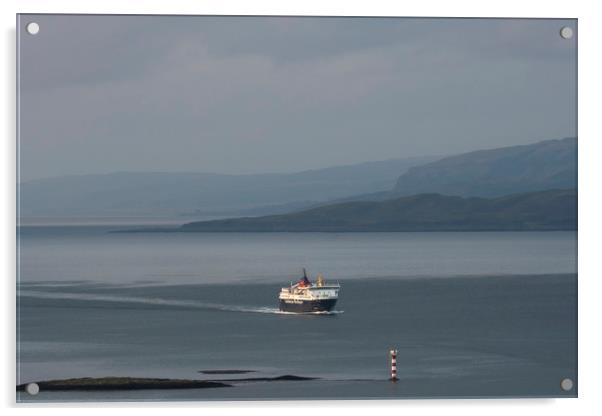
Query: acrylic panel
295	208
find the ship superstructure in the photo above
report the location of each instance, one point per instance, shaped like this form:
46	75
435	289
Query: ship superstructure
305	296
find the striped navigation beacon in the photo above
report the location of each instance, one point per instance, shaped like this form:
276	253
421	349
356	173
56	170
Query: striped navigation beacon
393	354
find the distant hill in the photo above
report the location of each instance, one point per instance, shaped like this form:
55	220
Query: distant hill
198	194
551	164
544	210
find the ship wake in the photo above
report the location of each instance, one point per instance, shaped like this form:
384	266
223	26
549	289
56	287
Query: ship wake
88	297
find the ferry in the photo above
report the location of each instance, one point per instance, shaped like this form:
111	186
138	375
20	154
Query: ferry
306	296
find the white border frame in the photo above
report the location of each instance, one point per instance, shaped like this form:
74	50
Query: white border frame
589	200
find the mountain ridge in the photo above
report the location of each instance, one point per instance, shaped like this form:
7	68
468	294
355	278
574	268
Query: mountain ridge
185	193
535	211
549	164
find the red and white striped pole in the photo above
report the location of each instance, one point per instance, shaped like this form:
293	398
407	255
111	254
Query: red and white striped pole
393	354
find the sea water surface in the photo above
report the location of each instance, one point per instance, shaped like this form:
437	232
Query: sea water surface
471	314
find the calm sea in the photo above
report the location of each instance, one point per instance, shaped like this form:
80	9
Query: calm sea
472	314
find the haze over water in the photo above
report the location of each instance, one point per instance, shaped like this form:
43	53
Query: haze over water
93	254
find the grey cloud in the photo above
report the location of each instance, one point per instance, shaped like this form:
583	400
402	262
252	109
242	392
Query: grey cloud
275	94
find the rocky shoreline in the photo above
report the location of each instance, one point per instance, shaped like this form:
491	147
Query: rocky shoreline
132	383
122	383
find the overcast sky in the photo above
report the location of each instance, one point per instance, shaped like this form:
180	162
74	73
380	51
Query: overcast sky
253	94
